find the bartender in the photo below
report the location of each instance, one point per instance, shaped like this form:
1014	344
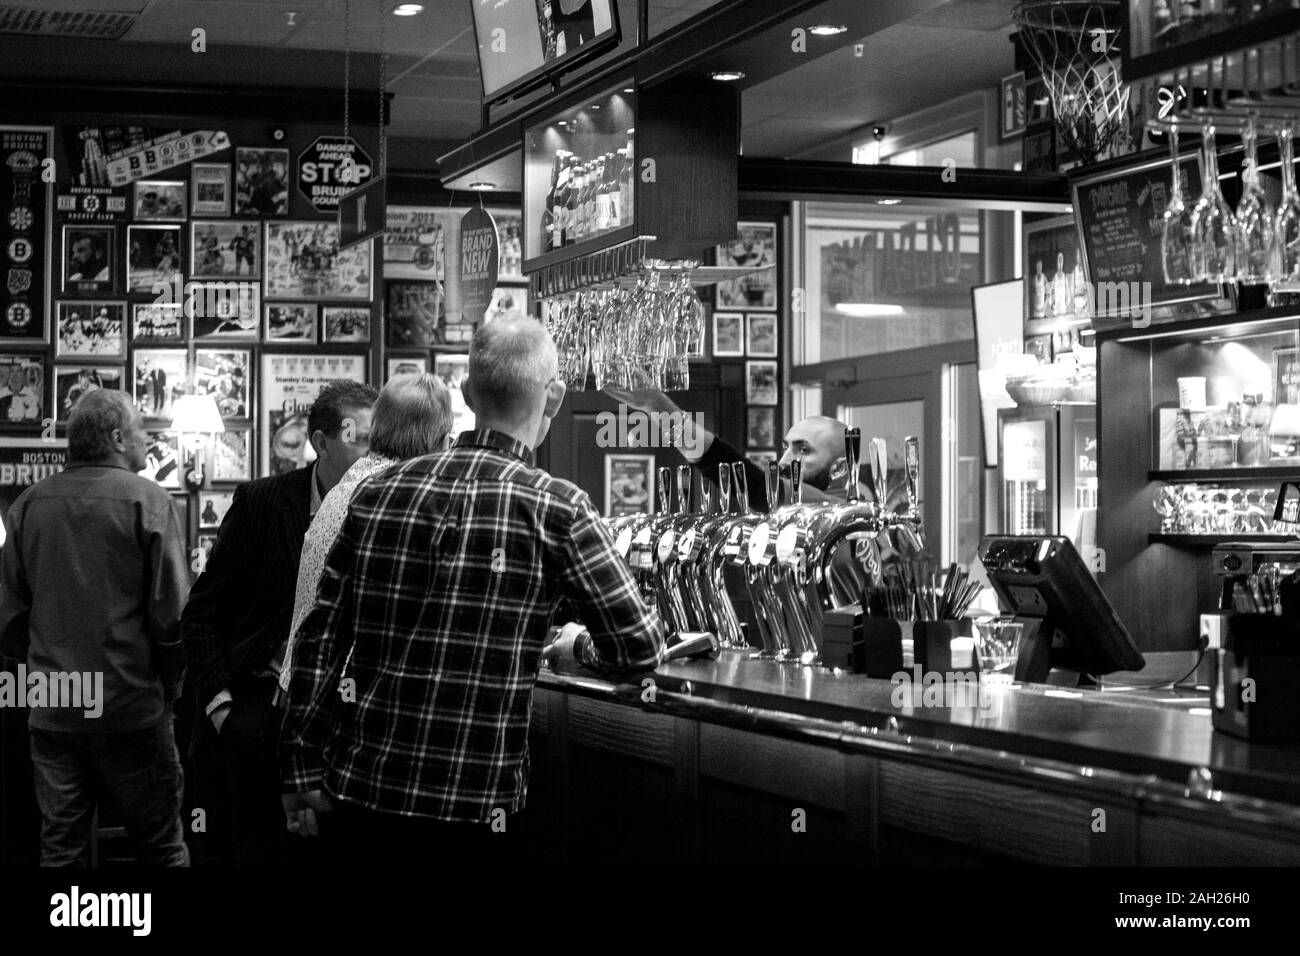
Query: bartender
817	441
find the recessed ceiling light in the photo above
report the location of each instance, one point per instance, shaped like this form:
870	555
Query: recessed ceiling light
827	29
888	202
595	106
867	310
631	130
408	9
627	89
726	76
483	185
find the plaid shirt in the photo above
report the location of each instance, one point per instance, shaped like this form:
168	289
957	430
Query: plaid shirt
443	579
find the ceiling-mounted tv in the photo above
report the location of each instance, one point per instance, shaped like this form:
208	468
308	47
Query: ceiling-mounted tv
522	41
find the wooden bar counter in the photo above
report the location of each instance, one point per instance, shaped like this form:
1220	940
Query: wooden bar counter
745	761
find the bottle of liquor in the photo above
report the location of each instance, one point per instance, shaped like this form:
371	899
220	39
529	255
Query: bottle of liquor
1061	299
548	211
1039	308
593	197
571	223
629	181
560	210
1082	301
614	174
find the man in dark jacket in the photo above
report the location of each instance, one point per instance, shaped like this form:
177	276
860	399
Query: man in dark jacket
236	625
94	576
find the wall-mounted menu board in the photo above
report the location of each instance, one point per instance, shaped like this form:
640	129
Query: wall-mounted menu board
1120	216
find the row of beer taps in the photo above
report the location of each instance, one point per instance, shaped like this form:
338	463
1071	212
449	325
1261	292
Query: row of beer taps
797	561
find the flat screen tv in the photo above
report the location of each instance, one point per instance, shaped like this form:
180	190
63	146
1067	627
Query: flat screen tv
521	41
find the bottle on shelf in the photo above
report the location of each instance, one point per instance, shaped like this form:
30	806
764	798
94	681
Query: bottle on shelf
614	174
548	211
603	203
1061	297
1039	308
1082	306
593	188
571	224
559	209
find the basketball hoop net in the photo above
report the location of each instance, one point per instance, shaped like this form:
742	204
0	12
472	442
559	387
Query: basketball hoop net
1075	44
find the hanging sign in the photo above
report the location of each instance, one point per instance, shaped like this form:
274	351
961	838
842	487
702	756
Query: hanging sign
479	254
331	167
362	214
26	191
165	152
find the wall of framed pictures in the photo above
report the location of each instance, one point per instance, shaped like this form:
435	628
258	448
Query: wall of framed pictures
192	256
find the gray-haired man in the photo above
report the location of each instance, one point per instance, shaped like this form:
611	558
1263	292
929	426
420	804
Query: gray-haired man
94	578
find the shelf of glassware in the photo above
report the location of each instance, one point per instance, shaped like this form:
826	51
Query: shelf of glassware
1211	540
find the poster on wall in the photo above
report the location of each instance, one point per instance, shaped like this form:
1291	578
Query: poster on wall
70	383
289	384
92	204
1056	289
25	232
25	461
418	317
303	261
415	241
163	152
22	389
629	484
329	168
261	182
753	247
86	150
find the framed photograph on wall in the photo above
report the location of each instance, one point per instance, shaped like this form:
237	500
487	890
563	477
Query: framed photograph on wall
415	241
159	377
232	456
405	365
162	459
760	383
158	324
303	261
71	382
728	333
1056	288
760	335
225	250
345	323
157	200
288	385
229	311
753	248
629	484
213	506
210	189
22	389
89	258
261	182
415	314
760	427
1013	107
290	322
90	330
226	375
153	256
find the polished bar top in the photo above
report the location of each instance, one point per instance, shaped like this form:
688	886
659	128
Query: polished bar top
1160	733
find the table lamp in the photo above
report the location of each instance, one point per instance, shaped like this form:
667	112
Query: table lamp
194	416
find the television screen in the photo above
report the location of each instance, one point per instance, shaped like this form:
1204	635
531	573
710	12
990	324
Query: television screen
519	40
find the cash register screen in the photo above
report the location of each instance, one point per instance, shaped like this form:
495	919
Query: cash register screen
1043	580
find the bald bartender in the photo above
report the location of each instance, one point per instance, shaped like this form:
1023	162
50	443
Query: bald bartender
817	442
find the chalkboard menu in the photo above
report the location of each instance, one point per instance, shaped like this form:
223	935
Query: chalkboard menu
1120	217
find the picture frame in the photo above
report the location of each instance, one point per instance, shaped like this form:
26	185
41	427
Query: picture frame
158	323
154	257
90	329
224	311
761	383
416	313
158	377
73	381
225	249
210	189
261	182
1013	108
395	365
303	261
1286	376
728	334
760	335
163	464
1052	268
290	322
415	241
288	383
226	375
213	506
345	323
159	200
753	247
89	261
232	456
760	427
629	484
22	388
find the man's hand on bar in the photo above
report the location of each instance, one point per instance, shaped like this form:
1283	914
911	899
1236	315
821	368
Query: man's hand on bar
563	649
300	811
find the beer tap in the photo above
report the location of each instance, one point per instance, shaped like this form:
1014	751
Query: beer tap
771	625
700	550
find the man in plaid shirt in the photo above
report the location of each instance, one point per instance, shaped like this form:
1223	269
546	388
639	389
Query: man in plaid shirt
443	581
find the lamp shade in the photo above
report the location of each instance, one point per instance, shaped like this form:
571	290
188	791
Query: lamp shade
196	414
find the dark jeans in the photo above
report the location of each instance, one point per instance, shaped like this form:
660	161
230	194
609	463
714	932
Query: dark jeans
364	837
238	788
139	771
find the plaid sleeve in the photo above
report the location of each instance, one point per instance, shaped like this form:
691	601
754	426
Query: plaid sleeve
322	645
625	634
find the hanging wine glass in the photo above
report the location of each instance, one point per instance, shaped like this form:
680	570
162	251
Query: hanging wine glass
1213	252
1254	219
1178	237
1286	226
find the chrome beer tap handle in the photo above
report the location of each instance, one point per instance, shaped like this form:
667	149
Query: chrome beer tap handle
684	484
878	459
724	488
742	486
796	480
665	490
